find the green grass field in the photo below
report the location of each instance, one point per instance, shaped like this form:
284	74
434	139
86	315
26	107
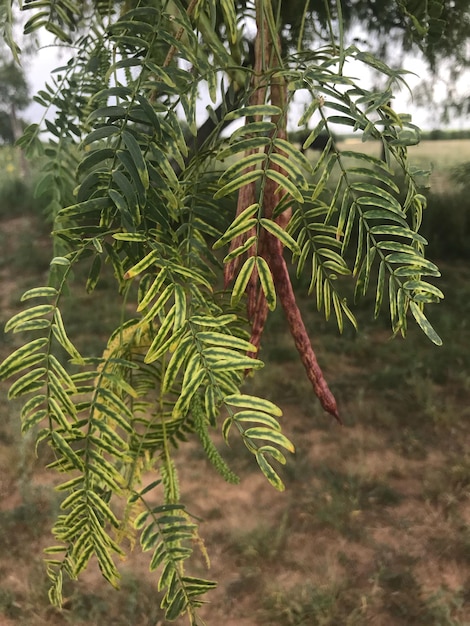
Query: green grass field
374	525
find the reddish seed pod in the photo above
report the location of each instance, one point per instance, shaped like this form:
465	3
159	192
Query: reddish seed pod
297	328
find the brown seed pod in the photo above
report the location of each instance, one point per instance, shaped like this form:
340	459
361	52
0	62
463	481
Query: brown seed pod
297	328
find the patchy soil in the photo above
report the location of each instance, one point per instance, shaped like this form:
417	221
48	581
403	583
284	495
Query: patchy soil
373	528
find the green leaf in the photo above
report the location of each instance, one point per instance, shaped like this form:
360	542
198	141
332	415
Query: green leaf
291	168
101	133
385	214
274	452
137	157
242	280
32	325
268	434
424	324
269	472
260	417
414	260
266	280
41	310
380	289
245	145
241	181
423	286
143	264
191	383
28	383
249	243
236	363
283	236
224	340
182	352
252	110
102	507
79	209
176	605
397	231
232	232
152	291
15	362
238	168
158	305
180	308
135	175
40	292
286	184
293	153
155	347
253	402
60	334
96	157
65	449
240	225
60	260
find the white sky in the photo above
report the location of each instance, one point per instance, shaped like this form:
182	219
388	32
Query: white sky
40	66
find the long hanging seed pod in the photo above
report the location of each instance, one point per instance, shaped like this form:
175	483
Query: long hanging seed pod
297	328
257	305
269	247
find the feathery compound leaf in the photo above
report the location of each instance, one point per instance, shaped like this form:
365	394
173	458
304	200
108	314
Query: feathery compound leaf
128	189
210	449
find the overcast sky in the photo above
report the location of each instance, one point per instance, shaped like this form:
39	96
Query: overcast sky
39	67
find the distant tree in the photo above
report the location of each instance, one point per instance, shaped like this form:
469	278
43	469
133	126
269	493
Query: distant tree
200	278
14	97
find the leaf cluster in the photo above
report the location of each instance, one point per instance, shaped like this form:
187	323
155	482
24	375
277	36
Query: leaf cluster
126	192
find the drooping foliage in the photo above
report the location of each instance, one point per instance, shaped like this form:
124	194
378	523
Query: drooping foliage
126	191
